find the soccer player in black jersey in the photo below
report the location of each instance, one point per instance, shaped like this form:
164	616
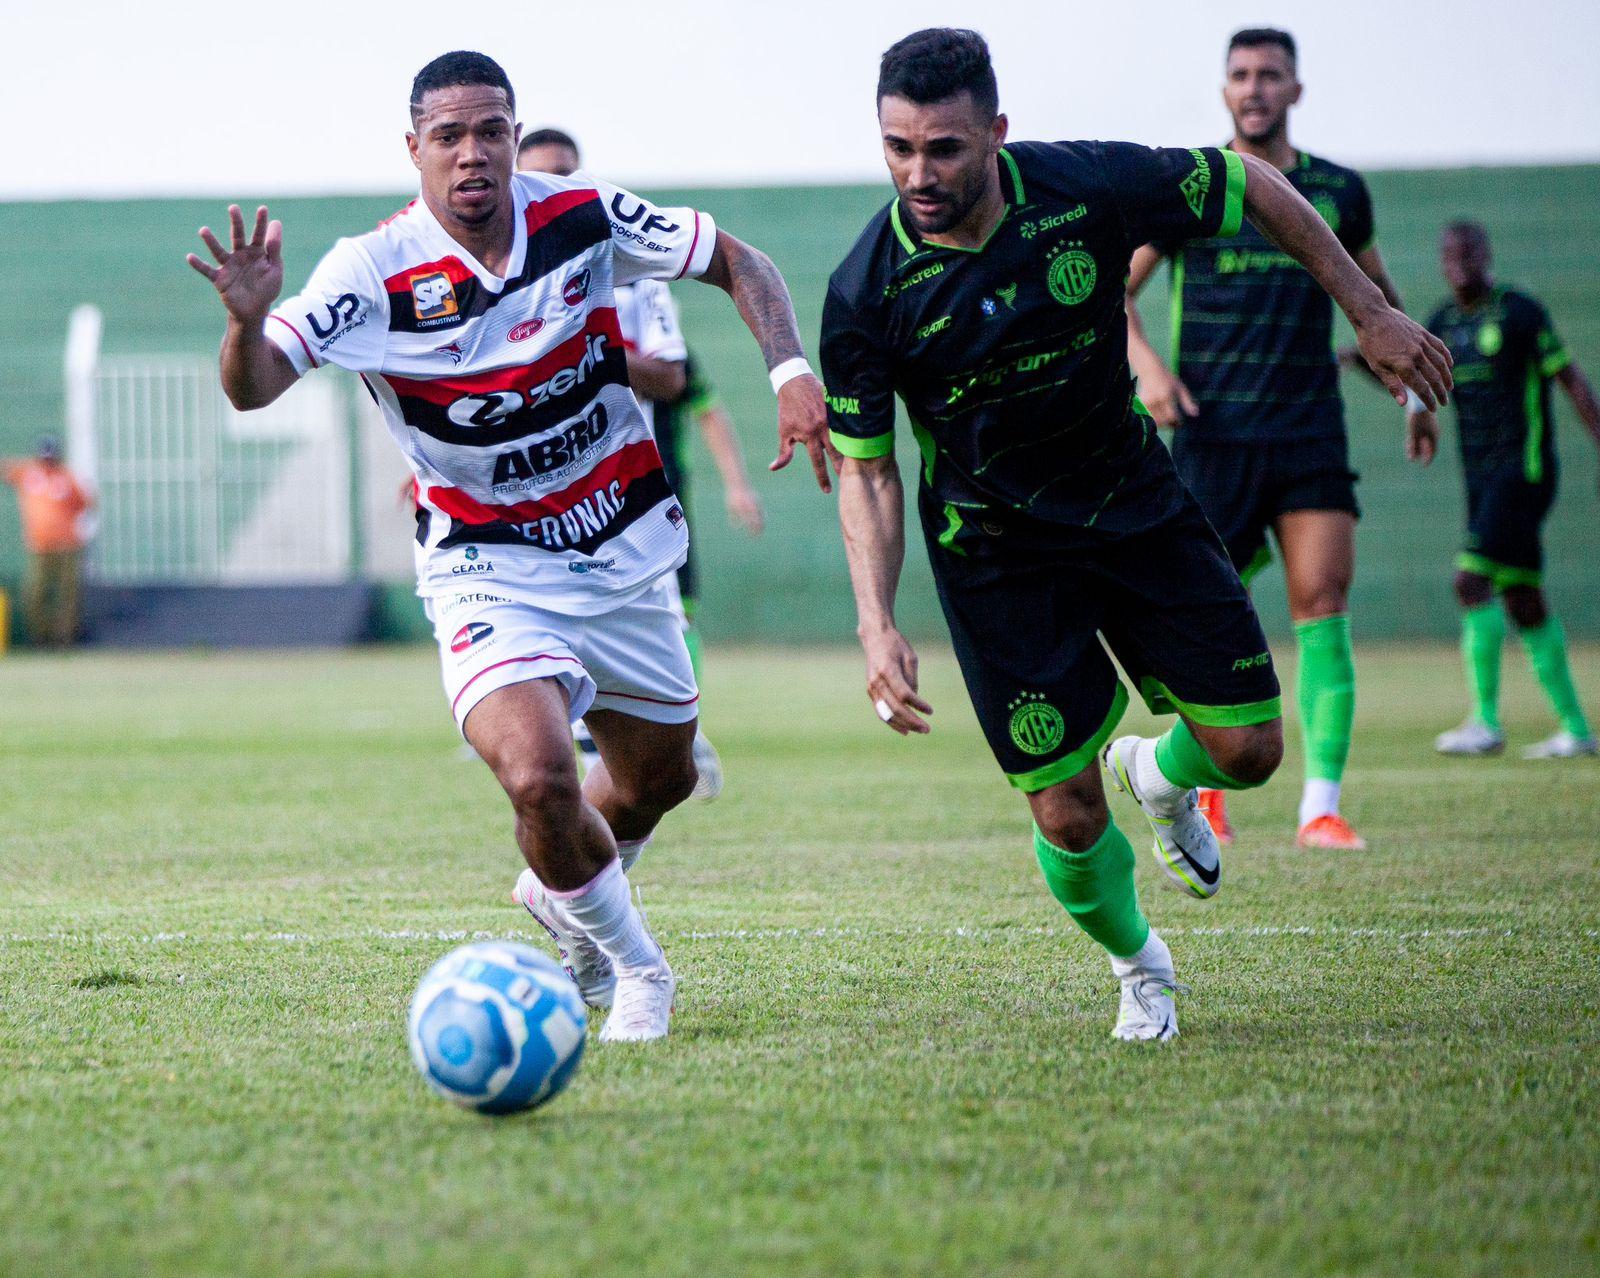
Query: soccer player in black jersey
989	297
1260	433
1506	355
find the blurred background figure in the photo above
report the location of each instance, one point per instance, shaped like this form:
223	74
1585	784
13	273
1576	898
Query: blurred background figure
1507	354
53	504
669	385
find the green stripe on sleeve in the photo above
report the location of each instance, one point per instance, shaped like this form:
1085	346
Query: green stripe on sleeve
1233	198
1554	362
863	449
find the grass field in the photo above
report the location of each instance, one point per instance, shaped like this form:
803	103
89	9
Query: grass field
221	875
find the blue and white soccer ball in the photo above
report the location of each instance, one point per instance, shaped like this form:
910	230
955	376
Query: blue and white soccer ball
497	1026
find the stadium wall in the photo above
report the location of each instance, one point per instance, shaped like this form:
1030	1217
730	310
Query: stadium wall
791	586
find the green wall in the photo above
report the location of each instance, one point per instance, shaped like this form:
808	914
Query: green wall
127	257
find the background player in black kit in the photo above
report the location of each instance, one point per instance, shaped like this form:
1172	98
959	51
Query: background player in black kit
1260	431
989	298
1506	355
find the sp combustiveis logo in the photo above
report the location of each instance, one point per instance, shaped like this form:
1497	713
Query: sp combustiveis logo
1071	274
1036	726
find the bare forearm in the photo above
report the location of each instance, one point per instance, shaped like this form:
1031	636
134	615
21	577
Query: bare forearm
749	277
1142	357
723	445
1581	392
658	379
1372	265
254	371
872	517
1284	217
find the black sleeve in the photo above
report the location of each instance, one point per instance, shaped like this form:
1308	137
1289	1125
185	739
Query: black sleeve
855	373
1168	195
1538	332
1356	228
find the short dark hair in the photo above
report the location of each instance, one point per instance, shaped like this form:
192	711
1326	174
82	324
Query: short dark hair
1257	37
549	137
1468	229
938	63
461	66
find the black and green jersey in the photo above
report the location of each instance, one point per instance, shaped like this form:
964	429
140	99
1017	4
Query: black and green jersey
1505	351
1012	358
1252	332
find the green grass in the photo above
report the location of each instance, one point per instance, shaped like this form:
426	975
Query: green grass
221	875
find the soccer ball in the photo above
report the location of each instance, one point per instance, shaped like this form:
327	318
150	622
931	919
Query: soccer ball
497	1026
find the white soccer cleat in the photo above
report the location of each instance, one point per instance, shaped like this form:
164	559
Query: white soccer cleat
1148	1013
708	785
643	1005
1474	737
586	962
1564	745
1185	844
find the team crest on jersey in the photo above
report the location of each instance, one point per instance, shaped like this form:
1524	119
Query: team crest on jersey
469	634
453	350
576	289
434	296
1071	274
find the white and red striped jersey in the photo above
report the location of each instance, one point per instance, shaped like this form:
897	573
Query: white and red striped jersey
536	472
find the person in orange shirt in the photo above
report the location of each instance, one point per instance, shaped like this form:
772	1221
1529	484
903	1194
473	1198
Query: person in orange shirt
52	503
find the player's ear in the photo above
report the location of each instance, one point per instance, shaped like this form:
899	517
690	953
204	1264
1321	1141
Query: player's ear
413	143
1000	128
1298	90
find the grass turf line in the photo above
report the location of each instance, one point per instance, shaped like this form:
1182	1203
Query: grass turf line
221	876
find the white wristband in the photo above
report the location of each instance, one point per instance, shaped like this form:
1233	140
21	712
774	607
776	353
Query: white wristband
1414	402
788	371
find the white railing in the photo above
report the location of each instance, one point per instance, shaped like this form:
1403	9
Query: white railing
191	490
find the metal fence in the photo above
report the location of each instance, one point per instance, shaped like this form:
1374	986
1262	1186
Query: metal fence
193	491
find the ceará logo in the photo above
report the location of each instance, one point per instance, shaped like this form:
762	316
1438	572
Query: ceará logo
523	331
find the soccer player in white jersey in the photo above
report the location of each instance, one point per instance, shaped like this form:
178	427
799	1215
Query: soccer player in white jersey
482	319
657	370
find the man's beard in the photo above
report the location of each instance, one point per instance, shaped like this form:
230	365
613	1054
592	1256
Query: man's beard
958	205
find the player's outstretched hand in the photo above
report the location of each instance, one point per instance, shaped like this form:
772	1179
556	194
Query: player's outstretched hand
249	275
892	682
1422	437
803	420
1405	356
1167	398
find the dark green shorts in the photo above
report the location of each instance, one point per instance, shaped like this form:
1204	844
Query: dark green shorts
1505	525
1028	610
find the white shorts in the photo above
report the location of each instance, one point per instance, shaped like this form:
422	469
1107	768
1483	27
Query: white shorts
632	659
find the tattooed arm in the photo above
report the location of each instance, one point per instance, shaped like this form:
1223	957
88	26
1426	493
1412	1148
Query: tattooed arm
748	276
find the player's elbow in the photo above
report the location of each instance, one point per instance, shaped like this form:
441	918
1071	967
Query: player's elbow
245	397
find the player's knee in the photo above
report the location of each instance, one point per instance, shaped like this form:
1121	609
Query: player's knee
1473	590
1249	755
666	783
541	791
1526	606
1072	819
1325	599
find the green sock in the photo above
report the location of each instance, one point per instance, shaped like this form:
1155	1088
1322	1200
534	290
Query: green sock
1327	694
1483	633
1185	763
1547	651
1096	888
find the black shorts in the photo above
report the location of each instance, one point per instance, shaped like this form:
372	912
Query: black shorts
1505	517
1028	609
1244	486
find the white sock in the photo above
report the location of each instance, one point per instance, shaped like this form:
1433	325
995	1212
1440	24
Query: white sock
1319	798
1151	781
1154	957
604	909
628	851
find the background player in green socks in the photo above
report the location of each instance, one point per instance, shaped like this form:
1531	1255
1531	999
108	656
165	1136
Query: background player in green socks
988	296
1260	436
1507	354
